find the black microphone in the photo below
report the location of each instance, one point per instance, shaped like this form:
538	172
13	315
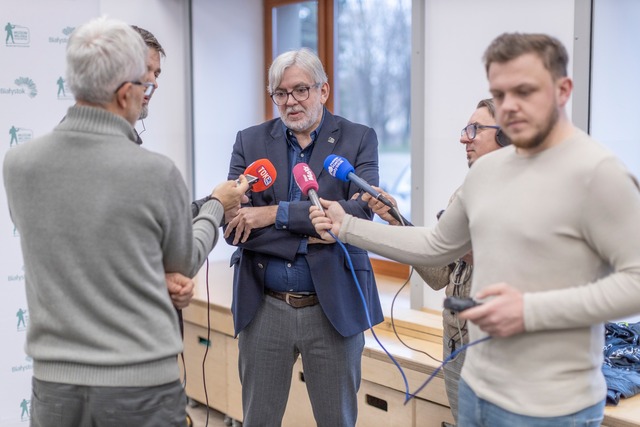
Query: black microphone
340	168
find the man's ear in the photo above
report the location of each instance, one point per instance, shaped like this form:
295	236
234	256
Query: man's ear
324	92
123	95
564	88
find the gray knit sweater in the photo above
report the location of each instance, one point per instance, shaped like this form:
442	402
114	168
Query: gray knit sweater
100	221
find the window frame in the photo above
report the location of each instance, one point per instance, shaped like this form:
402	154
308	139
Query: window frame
325	44
326	53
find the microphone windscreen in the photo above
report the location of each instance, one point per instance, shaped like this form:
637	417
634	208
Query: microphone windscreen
338	167
305	178
266	173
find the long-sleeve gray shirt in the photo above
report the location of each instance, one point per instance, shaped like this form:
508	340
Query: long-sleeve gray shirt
100	221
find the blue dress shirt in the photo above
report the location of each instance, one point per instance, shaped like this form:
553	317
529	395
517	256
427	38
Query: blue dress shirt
283	275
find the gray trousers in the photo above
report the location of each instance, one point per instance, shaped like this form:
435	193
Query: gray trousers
68	405
269	347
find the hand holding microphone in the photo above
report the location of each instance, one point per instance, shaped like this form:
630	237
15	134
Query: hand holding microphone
306	181
244	220
261	175
340	168
327	220
379	208
231	193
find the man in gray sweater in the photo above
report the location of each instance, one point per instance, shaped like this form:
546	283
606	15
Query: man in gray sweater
100	220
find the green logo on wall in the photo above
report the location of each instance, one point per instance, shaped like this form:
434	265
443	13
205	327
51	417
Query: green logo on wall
29	85
19	135
24	406
63	89
17	35
62	40
23	319
26	86
26	366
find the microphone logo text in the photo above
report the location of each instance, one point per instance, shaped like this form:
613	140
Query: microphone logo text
264	174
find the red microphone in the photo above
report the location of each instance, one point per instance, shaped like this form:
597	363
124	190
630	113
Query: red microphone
306	180
261	175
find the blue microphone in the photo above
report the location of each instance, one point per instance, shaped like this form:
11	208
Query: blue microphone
339	167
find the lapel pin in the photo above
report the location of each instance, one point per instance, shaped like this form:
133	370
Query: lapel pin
331	140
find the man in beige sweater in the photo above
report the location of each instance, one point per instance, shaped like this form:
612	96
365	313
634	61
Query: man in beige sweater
553	220
480	136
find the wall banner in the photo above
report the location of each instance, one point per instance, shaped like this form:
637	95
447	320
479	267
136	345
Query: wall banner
34	97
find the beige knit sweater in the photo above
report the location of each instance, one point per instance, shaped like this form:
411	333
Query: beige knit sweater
562	227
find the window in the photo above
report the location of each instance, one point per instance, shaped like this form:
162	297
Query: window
372	65
365	47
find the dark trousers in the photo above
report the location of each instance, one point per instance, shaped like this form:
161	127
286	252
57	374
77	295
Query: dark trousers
68	405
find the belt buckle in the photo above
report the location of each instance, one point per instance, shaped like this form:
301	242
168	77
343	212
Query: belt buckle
287	300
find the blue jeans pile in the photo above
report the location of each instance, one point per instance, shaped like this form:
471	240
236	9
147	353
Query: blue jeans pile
621	367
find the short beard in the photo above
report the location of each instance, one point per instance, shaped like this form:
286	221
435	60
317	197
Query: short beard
542	135
312	115
144	112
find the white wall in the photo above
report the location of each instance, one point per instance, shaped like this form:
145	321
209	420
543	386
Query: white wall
456	34
31	102
615	109
228	81
168	126
42	59
615	90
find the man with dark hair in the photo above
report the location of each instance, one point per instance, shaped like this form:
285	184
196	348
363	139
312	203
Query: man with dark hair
180	287
556	246
150	40
156	51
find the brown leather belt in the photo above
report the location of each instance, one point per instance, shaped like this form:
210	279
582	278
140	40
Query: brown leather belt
294	300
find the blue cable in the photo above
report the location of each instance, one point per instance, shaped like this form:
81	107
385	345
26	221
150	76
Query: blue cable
408	395
439	368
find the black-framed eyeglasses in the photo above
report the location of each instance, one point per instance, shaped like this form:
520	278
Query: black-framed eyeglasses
149	87
301	93
472	130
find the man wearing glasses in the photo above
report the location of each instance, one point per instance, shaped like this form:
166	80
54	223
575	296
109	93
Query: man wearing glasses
154	69
100	221
180	287
293	295
480	136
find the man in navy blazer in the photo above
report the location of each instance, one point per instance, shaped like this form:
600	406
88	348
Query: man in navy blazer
293	294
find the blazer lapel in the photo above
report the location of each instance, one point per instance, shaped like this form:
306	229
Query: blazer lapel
276	147
326	143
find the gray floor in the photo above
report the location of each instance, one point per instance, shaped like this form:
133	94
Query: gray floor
198	414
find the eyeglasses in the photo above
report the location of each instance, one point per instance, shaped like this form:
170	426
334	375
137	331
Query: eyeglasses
472	129
149	87
301	93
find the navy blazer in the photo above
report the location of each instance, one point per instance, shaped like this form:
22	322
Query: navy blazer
328	264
